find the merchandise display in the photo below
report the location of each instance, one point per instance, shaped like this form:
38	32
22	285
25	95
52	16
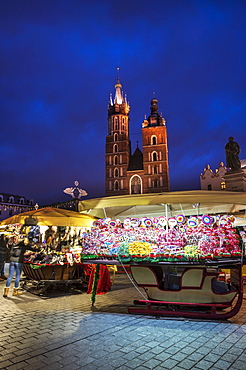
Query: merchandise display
54	245
161	239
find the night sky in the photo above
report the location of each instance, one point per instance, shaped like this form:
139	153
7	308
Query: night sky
58	66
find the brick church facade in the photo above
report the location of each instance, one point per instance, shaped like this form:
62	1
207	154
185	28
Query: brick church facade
144	171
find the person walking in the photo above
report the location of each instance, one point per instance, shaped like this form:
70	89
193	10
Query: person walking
3	250
17	249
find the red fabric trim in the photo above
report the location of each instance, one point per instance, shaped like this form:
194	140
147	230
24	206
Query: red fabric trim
104	283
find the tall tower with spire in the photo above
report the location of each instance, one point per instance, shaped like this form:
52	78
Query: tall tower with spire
143	171
118	145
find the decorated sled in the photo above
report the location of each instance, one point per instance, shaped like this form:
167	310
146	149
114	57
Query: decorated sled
190	291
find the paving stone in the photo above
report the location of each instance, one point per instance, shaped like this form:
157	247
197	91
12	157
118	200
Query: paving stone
172	350
34	359
179	356
188	350
152	363
195	356
146	356
187	364
5	364
54	366
134	363
169	363
212	357
239	365
19	366
204	365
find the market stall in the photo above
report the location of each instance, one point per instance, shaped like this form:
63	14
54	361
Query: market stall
56	234
176	251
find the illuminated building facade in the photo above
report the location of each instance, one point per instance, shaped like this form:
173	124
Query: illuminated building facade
222	180
11	204
144	171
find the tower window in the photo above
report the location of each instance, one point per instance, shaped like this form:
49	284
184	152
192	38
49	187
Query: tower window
154	157
115	137
116	123
123	124
115	148
115	160
209	187
116	185
155	169
155	183
153	140
116	172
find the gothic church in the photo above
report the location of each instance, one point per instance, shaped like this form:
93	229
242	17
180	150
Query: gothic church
143	171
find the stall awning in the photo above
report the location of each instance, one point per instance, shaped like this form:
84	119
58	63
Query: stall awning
152	205
50	216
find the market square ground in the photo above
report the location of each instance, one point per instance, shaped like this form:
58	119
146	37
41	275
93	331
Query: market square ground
64	332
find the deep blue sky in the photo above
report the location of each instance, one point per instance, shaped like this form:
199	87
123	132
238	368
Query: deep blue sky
58	64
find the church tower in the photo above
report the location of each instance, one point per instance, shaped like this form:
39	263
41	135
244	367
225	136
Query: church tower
155	152
143	171
118	145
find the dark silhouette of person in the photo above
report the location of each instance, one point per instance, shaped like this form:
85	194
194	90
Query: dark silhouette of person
232	151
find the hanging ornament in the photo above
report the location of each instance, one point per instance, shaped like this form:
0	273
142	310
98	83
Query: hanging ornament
180	219
192	222
207	220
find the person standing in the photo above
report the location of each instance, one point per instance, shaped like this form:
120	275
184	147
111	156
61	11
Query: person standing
17	249
3	250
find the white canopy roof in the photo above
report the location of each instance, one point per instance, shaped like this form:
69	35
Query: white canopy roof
195	202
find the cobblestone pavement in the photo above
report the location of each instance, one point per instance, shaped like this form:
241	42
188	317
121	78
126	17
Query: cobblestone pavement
65	332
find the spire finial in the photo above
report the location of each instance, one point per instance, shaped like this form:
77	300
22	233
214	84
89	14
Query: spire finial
153	94
137	143
118	75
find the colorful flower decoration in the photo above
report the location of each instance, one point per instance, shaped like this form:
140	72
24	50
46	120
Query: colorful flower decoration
155	221
207	220
147	222
97	223
192	222
180	219
106	221
112	223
